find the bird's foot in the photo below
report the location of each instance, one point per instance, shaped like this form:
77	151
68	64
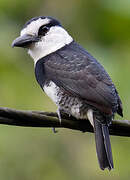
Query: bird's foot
59	115
54	130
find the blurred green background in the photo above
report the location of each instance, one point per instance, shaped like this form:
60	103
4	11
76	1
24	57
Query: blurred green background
103	28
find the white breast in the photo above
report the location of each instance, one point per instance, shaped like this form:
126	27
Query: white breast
52	91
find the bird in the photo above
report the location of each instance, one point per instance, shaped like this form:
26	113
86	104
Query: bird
75	81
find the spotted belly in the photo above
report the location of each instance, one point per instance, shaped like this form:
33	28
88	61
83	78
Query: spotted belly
69	104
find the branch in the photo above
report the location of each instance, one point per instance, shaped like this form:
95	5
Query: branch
49	119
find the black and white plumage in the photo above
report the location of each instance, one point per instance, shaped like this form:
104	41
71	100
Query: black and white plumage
73	79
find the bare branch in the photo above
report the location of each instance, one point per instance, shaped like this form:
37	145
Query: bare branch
49	119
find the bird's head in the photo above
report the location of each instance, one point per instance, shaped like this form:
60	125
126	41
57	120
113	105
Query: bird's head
42	36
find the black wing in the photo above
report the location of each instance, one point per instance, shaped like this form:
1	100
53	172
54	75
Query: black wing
78	73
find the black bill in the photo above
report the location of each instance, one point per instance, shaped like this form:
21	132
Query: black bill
24	41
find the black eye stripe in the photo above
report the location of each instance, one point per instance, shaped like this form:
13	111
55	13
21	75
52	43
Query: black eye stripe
48	25
45	28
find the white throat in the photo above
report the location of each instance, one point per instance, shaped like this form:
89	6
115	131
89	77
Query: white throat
56	38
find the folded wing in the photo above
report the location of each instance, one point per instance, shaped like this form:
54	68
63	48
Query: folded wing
79	74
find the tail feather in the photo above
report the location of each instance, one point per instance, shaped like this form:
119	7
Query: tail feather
103	146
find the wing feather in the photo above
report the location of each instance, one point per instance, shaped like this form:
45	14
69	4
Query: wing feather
76	71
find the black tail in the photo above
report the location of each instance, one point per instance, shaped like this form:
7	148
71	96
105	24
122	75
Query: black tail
103	146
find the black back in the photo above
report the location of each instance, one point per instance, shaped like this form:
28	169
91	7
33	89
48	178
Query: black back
74	70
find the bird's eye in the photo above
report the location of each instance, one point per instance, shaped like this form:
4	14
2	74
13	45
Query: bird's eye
43	30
